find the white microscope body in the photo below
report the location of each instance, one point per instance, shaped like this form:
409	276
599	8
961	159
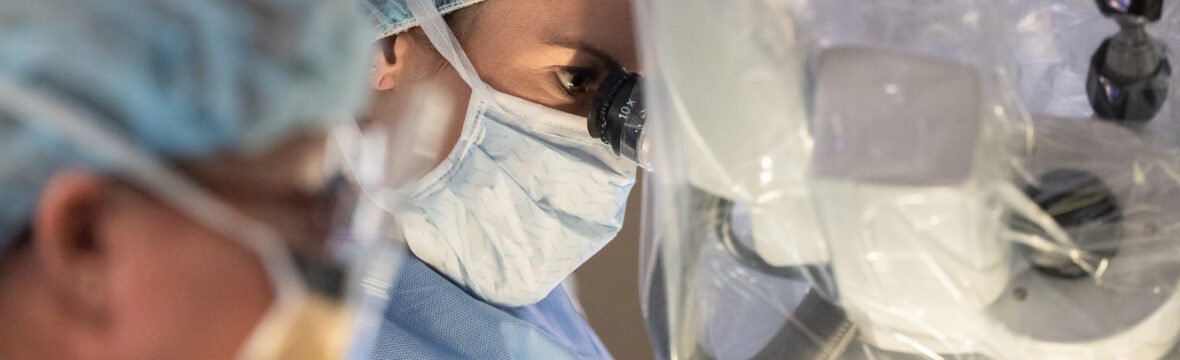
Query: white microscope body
912	191
900	171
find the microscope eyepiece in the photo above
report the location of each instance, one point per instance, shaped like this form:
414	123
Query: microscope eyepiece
618	115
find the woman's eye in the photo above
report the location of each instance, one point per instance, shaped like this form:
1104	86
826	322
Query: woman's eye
575	81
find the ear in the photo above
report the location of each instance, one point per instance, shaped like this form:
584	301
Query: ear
64	243
387	63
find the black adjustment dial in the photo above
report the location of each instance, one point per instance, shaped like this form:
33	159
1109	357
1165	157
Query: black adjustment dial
1129	73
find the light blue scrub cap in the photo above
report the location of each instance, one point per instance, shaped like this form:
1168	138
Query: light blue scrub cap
179	79
390	17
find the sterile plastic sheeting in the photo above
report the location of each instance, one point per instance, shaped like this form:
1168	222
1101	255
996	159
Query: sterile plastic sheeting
900	179
377	159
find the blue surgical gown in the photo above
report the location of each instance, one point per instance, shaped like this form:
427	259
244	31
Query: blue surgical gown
428	317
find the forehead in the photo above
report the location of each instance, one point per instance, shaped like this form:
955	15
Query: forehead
512	25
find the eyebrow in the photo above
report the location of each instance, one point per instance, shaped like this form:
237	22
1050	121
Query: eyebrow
594	51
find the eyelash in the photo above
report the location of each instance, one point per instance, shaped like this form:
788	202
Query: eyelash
576	81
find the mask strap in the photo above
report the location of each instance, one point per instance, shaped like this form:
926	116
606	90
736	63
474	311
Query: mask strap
80	128
444	40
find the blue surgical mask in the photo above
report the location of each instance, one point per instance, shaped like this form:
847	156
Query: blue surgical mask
525	197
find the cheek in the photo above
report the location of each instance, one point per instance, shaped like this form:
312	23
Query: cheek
455	125
405	96
180	291
460	96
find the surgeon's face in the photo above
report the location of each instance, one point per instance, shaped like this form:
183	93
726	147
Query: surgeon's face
553	53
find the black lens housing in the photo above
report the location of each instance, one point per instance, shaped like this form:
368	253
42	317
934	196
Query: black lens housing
619	112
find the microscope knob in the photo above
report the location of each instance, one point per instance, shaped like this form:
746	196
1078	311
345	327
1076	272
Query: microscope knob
1128	86
1148	9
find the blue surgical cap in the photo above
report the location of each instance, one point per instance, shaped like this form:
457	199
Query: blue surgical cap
178	79
391	17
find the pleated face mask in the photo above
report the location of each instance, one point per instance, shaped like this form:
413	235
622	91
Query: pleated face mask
525	197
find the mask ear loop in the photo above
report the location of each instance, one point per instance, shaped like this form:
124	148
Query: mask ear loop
444	40
79	128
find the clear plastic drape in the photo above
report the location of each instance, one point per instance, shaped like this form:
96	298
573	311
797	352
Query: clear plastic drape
903	179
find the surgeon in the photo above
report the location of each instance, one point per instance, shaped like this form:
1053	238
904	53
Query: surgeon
160	170
522	194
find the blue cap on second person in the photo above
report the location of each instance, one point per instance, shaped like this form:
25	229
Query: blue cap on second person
179	79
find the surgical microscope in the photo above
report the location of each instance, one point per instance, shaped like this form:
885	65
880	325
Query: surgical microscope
926	212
